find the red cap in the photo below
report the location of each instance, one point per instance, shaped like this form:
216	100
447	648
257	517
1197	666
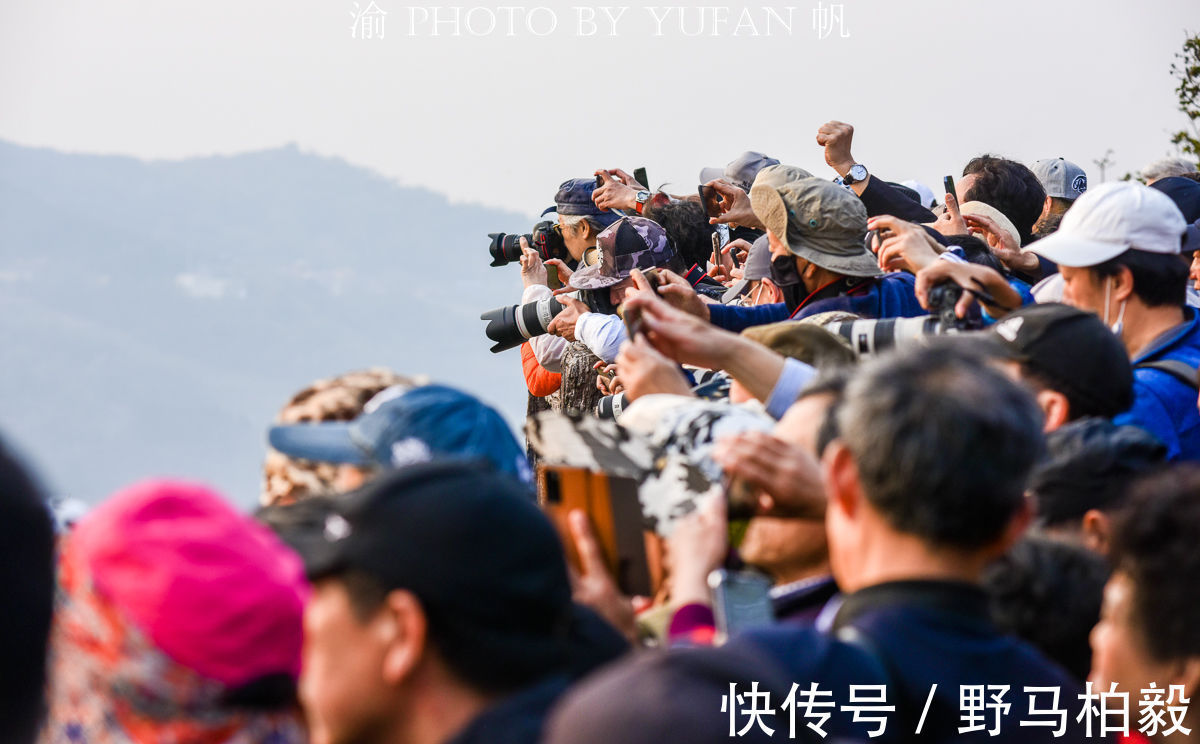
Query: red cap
213	589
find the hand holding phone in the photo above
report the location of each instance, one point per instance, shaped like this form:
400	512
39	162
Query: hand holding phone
710	199
633	316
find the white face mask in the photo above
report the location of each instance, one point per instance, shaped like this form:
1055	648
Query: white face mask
1119	326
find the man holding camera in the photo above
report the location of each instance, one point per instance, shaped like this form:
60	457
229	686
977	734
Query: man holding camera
819	259
580	222
631	243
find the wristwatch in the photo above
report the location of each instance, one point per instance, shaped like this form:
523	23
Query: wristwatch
857	173
640	200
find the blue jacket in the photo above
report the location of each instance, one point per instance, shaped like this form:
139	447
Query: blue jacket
926	633
889	296
1162	404
516	719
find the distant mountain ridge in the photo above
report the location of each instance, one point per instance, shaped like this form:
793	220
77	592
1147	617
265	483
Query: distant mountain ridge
155	315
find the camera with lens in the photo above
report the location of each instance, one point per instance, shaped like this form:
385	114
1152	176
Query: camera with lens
710	385
872	337
610	406
546	239
942	300
512	325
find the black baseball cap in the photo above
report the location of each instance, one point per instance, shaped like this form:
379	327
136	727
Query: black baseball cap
459	534
1072	350
482	559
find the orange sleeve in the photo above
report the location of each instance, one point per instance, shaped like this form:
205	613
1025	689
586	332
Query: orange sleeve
540	381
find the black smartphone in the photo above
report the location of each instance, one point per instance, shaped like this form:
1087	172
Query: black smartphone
948	182
639	175
710	199
633	316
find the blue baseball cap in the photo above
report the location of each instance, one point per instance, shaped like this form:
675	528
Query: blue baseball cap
403	426
574	197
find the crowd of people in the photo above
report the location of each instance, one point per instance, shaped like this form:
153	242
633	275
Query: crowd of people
948	451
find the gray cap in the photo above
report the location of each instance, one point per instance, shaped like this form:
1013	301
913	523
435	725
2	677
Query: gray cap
757	266
1061	179
758	260
740	171
818	221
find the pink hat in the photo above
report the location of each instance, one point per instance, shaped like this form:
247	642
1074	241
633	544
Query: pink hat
213	589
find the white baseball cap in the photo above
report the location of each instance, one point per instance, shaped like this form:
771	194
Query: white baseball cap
1111	219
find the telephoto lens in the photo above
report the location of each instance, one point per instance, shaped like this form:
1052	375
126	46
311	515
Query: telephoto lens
611	406
513	325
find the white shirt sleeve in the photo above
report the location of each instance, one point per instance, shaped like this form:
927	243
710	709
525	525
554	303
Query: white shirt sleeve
547	349
603	334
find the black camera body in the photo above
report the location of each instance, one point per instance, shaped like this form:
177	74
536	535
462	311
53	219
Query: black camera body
942	299
546	239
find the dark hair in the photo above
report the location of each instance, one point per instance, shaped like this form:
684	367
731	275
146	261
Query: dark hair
1078	406
686	224
1009	187
977	251
267	693
1048	592
1159	279
1090	464
458	643
1154	544
943	443
27	576
1047	225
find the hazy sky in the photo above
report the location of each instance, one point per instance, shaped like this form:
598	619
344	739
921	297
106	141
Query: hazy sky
502	119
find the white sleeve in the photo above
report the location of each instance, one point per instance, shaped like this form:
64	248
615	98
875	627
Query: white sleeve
535	292
603	334
546	348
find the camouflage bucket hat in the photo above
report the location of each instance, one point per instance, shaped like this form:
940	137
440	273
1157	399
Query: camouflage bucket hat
628	244
818	221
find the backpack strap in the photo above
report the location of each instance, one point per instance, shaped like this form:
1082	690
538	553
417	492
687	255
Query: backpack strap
1182	371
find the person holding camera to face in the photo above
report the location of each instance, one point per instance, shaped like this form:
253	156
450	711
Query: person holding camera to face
580	221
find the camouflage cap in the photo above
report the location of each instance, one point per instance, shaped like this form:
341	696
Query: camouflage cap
818	221
574	198
628	244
